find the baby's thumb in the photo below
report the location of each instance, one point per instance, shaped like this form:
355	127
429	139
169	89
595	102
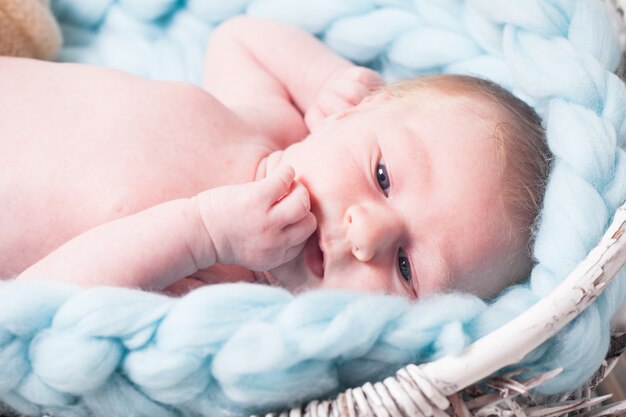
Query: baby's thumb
278	183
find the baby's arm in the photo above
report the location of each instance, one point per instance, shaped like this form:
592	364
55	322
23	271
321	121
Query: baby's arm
274	74
256	225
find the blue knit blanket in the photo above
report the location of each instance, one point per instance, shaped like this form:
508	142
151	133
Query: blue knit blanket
234	349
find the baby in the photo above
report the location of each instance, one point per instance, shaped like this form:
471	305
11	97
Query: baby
285	169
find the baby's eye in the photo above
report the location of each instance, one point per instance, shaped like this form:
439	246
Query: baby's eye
404	266
382	177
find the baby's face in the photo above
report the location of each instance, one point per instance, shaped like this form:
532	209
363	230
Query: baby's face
407	200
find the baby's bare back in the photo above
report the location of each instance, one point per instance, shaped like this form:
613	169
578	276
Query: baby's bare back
81	146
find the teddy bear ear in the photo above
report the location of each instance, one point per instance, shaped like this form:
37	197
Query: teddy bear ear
28	29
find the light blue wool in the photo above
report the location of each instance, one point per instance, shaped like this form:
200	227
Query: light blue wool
234	348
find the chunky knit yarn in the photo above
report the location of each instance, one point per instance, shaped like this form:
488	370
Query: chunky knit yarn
234	348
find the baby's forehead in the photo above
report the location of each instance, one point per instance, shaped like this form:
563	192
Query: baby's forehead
437	108
450	91
451	98
446	99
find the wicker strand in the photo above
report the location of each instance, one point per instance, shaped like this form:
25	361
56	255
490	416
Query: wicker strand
415	393
403	399
459	407
389	399
430	390
610	410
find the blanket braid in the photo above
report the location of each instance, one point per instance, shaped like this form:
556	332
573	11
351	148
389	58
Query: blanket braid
230	347
237	348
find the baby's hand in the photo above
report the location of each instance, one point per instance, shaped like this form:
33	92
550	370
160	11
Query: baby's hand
258	225
343	90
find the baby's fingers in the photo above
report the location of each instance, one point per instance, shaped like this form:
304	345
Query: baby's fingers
277	184
293	207
313	118
296	234
356	83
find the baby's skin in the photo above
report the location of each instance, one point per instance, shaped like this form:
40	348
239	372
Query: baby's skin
277	171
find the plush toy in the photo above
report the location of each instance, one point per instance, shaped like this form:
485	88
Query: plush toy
28	29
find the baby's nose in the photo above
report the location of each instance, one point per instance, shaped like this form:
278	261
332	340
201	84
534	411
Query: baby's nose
370	230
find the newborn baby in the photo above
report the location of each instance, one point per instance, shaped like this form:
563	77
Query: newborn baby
285	169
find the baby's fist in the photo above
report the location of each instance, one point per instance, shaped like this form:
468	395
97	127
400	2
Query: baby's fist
258	225
344	90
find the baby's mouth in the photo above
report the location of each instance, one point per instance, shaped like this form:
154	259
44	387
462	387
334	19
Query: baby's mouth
314	256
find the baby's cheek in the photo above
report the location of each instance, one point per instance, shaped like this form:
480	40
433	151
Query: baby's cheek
357	279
